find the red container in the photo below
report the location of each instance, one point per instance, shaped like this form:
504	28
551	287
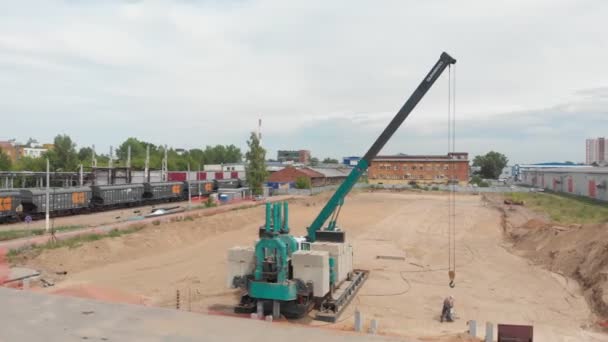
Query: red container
176	176
515	333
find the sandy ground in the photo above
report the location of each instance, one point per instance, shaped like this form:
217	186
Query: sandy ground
492	284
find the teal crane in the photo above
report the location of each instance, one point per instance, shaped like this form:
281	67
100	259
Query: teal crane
333	206
271	282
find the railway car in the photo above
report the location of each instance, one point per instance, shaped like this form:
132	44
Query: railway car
62	201
233	183
108	196
198	188
10	205
163	191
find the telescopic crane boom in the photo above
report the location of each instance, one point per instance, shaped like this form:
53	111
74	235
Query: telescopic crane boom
335	202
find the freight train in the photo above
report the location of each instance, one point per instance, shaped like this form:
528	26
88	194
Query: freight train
22	204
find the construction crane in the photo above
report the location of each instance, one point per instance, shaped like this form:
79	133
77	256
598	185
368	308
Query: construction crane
289	275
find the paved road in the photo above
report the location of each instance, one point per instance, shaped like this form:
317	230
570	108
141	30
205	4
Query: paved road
28	316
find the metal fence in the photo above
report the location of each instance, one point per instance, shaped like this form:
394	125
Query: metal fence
457	188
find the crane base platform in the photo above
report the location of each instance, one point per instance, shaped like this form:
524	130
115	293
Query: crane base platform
333	306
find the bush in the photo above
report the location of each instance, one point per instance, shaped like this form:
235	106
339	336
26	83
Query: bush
435	188
303	183
477	180
210	203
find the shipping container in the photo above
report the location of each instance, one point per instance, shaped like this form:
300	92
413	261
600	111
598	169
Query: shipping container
176	176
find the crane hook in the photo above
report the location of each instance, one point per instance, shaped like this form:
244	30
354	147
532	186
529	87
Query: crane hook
452	284
452	275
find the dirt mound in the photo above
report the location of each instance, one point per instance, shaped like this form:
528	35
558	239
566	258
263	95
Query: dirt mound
535	224
579	252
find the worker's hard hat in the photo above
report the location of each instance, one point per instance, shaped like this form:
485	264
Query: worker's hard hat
451	297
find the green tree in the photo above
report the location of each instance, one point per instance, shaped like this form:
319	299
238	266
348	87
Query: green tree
138	149
85	155
220	154
330	161
303	183
30	164
5	161
491	164
314	161
63	156
256	165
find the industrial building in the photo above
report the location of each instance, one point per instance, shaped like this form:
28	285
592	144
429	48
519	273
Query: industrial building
300	156
350	161
519	169
228	167
596	151
286	178
587	181
420	169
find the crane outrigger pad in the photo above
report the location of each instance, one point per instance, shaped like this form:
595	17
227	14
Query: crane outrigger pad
332	307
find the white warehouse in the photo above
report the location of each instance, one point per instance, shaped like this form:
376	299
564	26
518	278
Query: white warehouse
589	181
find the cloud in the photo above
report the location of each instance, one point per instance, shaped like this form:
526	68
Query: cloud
322	75
555	133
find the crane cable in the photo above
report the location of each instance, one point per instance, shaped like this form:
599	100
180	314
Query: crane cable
452	180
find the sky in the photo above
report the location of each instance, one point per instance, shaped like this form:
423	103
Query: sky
327	76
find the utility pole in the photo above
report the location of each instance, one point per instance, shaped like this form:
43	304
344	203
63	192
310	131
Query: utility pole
147	165
164	167
111	162
94	161
129	156
48	190
188	185
198	174
110	165
81	176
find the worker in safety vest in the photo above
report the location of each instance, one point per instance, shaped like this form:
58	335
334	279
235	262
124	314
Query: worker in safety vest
446	311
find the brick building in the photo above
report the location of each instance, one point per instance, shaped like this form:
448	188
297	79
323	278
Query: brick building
286	178
9	149
301	156
425	169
